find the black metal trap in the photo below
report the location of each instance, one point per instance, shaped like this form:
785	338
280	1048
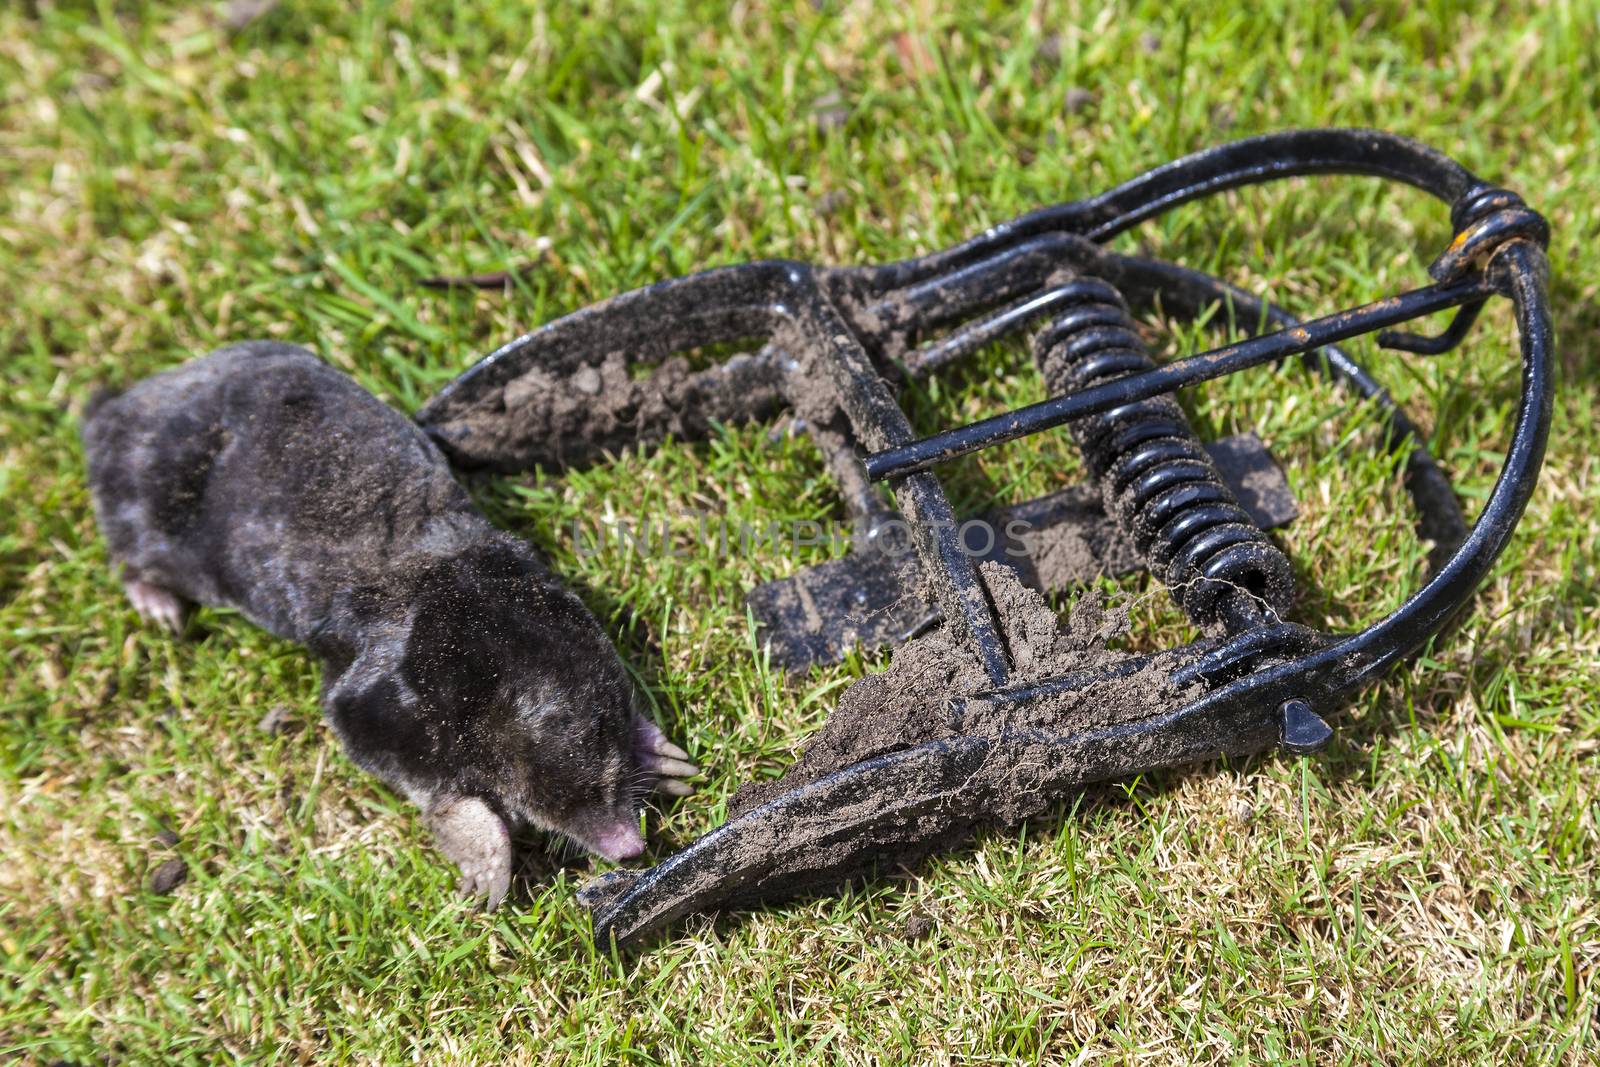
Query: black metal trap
831	345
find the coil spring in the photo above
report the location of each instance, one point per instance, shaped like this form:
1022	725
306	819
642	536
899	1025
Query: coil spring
1157	478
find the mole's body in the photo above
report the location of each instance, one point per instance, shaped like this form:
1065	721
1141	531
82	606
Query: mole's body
456	667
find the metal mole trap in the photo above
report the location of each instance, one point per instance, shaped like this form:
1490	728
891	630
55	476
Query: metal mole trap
832	345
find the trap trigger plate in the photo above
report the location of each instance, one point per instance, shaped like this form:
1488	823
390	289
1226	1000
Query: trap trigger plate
873	597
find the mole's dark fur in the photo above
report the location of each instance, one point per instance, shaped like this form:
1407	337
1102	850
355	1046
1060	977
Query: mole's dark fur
456	667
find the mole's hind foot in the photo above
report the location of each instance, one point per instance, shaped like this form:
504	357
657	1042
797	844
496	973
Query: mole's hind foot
155	604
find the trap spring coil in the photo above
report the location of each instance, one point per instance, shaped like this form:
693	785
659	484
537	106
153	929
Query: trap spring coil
1156	476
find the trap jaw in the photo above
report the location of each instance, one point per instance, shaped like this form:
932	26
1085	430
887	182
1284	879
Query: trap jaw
834	341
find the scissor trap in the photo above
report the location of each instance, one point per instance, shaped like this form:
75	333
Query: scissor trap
991	710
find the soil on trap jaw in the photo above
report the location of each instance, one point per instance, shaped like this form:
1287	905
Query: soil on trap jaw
907	704
557	417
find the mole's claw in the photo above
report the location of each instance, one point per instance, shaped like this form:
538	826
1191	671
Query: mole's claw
673	787
155	604
663	765
667	748
648	738
490	887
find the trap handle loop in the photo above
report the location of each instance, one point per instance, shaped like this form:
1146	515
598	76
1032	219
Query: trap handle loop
1485	218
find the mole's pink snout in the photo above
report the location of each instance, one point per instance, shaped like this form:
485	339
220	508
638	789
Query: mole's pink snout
617	842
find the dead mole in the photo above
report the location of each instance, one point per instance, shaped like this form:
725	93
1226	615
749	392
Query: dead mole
456	667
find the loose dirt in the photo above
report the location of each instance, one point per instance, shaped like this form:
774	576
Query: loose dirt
169	876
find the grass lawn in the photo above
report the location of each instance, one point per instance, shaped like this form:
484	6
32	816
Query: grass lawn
1422	892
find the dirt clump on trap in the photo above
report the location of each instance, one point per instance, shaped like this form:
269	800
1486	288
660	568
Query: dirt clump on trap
908	703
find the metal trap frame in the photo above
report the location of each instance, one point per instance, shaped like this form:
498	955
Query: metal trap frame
836	342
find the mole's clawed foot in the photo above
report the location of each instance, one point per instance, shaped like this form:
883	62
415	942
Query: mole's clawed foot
470	833
155	604
661	757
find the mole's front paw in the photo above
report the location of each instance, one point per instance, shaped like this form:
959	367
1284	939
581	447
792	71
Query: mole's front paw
155	604
661	757
470	833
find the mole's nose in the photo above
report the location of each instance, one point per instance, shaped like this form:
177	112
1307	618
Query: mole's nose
619	841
